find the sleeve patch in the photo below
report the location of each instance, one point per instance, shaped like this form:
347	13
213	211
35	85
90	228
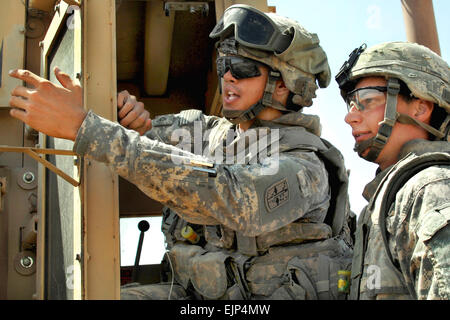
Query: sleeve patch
276	195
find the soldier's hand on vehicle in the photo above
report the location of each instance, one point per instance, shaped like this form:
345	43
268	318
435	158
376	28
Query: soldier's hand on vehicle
132	113
49	108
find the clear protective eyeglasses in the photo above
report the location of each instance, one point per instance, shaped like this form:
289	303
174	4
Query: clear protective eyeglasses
367	98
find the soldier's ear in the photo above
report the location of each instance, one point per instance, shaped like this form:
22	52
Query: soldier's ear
281	92
423	110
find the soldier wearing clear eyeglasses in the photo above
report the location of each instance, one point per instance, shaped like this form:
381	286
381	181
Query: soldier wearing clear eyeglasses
398	101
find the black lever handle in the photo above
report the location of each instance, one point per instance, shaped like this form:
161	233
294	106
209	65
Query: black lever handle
143	226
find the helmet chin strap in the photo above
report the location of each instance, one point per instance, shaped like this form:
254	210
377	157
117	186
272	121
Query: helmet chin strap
239	116
377	143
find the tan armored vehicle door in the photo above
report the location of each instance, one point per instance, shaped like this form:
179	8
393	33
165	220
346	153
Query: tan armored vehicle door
59	246
81	242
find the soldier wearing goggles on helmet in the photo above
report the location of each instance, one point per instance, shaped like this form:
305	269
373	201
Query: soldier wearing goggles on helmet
269	69
398	101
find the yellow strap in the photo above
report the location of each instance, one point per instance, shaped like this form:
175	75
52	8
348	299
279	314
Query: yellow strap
33	152
4	148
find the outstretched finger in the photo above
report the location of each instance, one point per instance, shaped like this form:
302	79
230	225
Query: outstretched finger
65	80
27	76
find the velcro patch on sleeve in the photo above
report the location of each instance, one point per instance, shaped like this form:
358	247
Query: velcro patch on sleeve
276	195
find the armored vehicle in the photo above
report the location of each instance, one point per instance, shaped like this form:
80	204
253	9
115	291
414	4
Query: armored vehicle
60	214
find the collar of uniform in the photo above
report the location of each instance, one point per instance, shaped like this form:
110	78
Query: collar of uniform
416	147
421	146
310	122
371	187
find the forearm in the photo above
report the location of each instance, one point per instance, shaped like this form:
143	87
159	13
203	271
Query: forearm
149	164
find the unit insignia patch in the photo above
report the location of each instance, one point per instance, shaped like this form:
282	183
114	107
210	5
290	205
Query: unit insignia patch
276	195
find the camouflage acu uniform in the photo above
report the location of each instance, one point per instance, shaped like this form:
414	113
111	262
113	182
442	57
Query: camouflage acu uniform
269	204
261	231
417	228
402	241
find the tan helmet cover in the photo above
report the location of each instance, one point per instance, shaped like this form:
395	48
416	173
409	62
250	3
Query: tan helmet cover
425	73
302	64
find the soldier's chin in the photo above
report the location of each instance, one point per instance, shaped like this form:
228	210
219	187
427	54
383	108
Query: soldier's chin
363	154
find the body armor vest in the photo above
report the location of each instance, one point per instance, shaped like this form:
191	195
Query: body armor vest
301	260
375	271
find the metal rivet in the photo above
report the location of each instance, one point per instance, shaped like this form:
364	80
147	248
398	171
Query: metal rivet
28	177
26	262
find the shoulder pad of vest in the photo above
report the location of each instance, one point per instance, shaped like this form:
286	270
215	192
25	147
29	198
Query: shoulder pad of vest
189	116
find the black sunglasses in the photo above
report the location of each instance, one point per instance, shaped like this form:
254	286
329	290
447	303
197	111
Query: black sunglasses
239	67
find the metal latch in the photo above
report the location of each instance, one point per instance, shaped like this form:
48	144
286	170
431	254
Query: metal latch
2	191
192	7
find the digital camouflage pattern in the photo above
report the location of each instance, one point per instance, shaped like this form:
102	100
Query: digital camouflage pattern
135	291
239	208
418	230
425	73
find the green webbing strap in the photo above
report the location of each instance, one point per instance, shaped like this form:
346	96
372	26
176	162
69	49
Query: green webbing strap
239	266
246	245
237	116
390	116
445	128
405	119
323	278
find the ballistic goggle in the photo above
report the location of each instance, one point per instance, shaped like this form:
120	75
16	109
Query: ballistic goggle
239	67
252	28
367	98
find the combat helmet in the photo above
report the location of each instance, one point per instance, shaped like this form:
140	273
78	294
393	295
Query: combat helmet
291	52
425	73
